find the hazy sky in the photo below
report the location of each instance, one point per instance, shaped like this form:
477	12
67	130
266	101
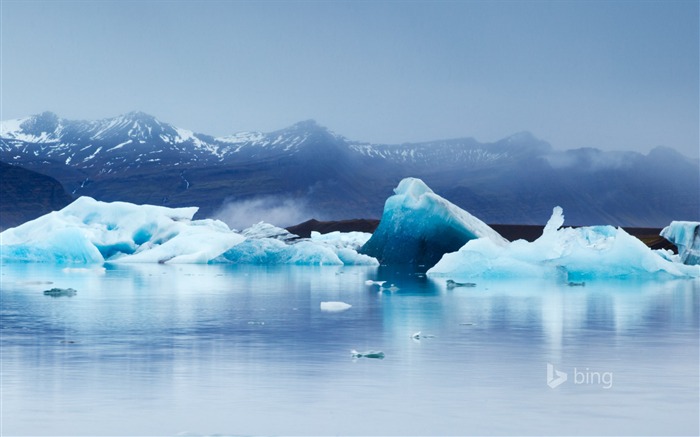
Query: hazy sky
614	75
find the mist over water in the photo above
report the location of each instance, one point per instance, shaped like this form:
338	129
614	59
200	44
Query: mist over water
277	210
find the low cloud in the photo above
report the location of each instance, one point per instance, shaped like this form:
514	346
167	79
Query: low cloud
277	210
590	159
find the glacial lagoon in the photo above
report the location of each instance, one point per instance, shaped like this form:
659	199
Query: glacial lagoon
246	350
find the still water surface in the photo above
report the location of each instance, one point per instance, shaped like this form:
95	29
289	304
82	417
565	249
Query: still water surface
201	350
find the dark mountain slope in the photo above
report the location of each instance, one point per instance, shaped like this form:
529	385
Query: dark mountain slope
27	195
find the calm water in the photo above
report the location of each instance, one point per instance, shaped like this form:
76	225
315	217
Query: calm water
201	350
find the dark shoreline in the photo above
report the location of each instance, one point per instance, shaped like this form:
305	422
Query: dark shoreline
649	236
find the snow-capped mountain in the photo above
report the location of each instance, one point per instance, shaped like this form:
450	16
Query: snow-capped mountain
456	152
137	158
137	139
129	141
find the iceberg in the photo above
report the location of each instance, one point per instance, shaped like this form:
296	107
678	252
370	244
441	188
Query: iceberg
686	237
561	253
335	307
60	292
418	227
346	246
271	251
266	230
92	232
335	248
368	354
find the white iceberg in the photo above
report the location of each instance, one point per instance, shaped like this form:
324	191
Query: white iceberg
342	240
686	236
267	230
92	232
346	246
418	227
566	253
334	249
89	232
335	307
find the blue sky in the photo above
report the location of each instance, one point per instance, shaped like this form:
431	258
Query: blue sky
613	75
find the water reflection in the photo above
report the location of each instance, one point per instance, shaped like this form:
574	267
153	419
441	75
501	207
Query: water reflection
247	350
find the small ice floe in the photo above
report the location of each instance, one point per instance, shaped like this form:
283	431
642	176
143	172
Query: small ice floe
335	307
371	282
369	354
60	292
453	284
576	284
94	270
255	322
419	335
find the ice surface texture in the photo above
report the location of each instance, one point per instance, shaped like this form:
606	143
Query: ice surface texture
566	253
418	227
91	232
686	237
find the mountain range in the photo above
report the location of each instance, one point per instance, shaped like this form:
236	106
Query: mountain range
137	158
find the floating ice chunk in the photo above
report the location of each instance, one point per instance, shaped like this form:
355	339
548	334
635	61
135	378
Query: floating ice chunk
576	254
452	284
60	292
371	282
335	307
419	335
368	354
418	227
686	237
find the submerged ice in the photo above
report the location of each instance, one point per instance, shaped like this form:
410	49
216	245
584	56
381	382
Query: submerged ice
92	232
418	227
566	253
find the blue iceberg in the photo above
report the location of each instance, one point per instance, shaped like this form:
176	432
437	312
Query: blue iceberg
567	254
418	227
